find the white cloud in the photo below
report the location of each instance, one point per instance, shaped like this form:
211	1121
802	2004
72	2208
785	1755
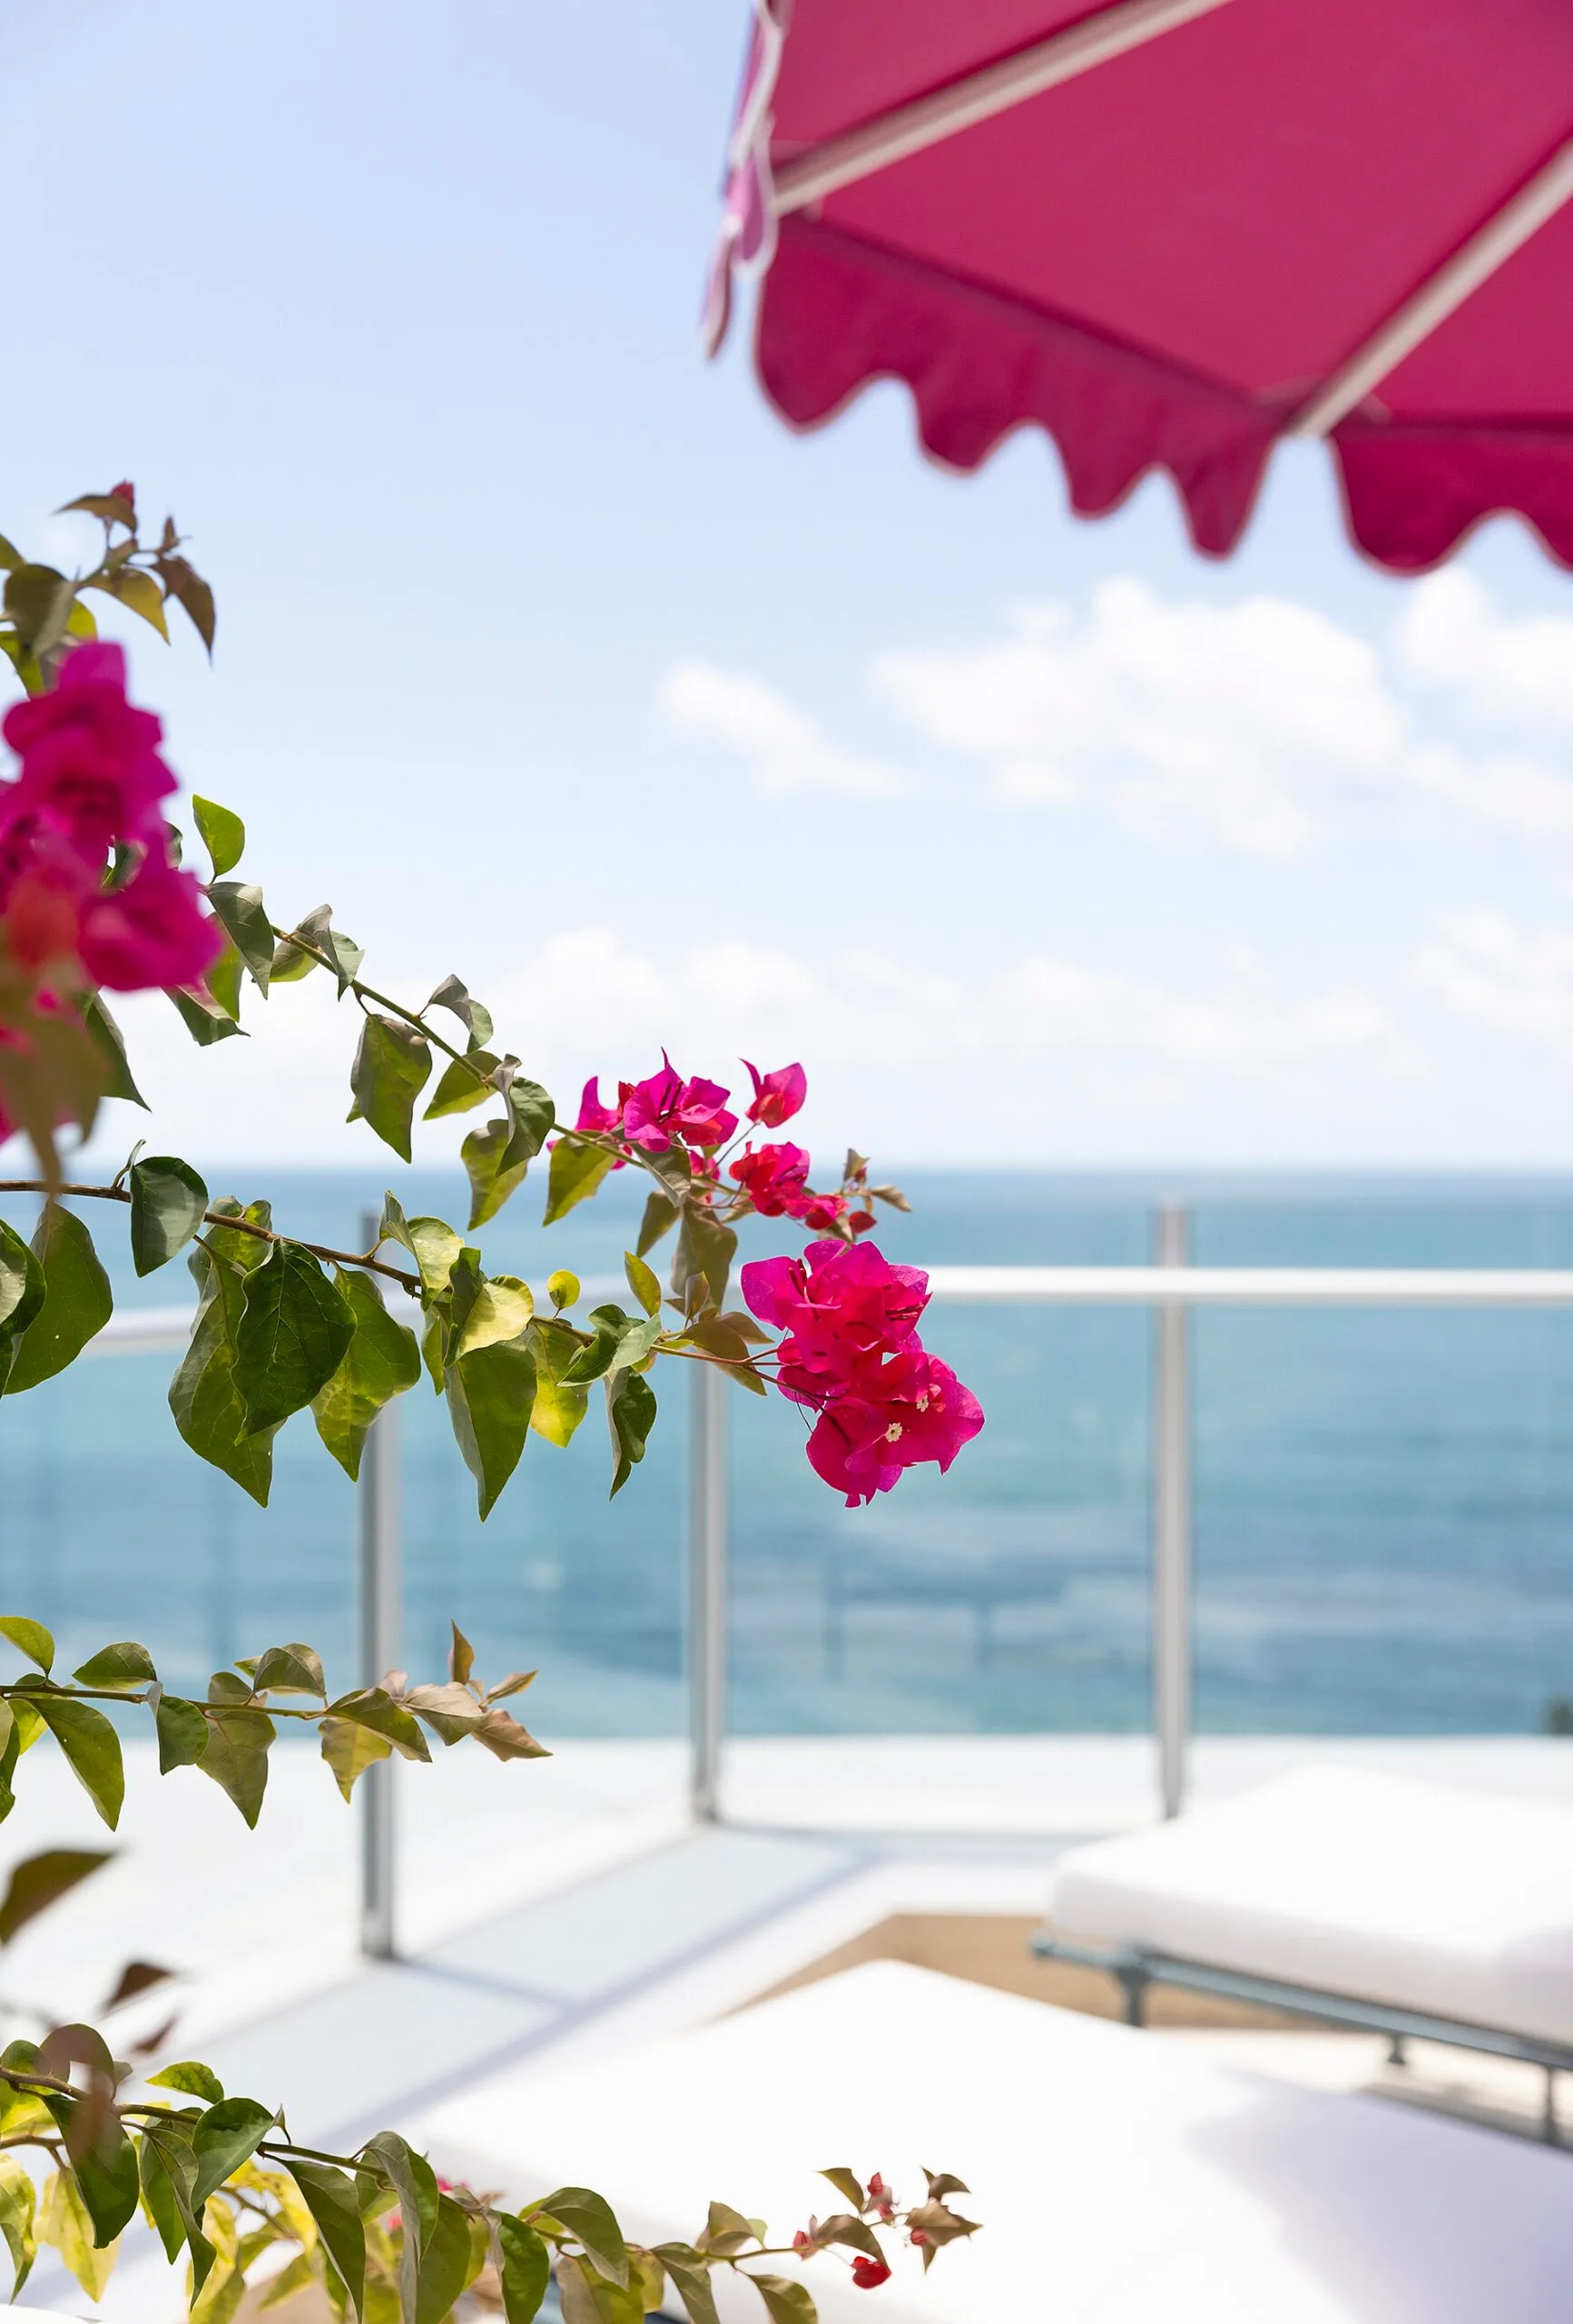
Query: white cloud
914	1057
1450	635
1252	728
1182	717
785	751
1496	973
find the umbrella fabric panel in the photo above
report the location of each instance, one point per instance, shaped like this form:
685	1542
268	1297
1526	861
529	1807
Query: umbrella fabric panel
1234	195
1163	260
848	61
838	314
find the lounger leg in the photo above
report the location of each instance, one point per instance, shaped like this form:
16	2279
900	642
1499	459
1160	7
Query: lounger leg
1396	2051
1551	2130
1134	1983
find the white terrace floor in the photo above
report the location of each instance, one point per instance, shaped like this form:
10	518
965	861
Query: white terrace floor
564	1908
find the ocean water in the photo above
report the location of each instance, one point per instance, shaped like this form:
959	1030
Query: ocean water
1384	1502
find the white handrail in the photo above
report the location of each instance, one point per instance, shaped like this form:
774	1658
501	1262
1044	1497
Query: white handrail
1259	1287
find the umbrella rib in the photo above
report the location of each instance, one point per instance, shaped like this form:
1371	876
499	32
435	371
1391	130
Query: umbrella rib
978	96
1486	250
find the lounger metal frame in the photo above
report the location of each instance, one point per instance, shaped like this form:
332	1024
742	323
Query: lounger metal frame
1137	1967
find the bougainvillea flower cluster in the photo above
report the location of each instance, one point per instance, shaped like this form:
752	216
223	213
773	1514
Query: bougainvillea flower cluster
851	1354
773	1179
85	869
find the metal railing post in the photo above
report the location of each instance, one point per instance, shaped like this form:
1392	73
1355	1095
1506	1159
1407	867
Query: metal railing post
1172	1519
380	1608
707	1592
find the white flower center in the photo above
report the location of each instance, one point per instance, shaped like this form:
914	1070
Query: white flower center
893	1432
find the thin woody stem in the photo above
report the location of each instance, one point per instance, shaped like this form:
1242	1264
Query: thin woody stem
410	1283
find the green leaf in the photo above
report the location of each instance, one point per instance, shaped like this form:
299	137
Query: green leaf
228	2134
182	1733
203	1395
686	2268
501	1734
31	1638
224	834
705	1249
38	601
39	1881
242	912
205	1022
133	585
630	1415
173	2142
533	1116
22	1295
392	1066
350	1748
158	2200
92	1750
106	1036
501	1308
463	1087
290	1670
577	1171
589	2299
659	1217
642	1282
374	1707
557	1409
167	1202
236	1756
294	1333
526	2270
17	2206
491	1393
727	2231
381	1362
189	2075
788	2300
192	594
430	1241
331	2198
450	1711
223	980
490	1184
444	2263
109	507
415	2183
456	999
110	2184
126	1664
563	1287
590	2217
77	1301
66	2223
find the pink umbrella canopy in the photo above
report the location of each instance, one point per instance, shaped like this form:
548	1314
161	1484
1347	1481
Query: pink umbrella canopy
1171	232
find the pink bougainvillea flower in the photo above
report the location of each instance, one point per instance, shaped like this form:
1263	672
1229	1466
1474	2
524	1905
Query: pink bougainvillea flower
777	1096
846	1296
868	2273
894	1413
152	932
42	909
666	1107
593	1113
825	1212
90	769
774	1178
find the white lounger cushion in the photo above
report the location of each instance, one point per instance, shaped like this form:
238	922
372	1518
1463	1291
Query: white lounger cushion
1121	2180
1458	1903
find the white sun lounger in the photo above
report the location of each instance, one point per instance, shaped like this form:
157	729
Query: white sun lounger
1408	1909
1120	2180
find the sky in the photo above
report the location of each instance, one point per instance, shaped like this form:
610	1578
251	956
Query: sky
551	658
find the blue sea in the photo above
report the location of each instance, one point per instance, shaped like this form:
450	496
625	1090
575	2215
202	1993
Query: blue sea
1384	1501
